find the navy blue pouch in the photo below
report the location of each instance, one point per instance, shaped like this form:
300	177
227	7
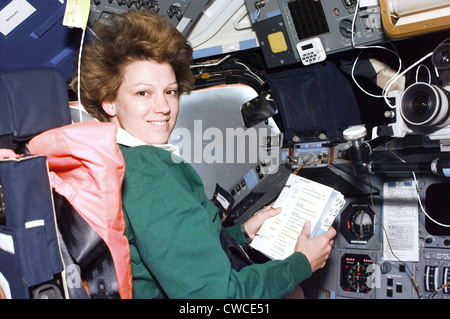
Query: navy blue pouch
29	250
40	39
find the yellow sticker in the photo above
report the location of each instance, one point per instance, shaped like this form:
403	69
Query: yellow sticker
77	13
277	42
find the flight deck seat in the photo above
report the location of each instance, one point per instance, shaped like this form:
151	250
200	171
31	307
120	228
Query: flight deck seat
61	221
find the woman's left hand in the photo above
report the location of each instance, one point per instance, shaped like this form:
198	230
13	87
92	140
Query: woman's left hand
253	224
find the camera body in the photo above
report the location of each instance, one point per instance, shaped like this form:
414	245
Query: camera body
422	109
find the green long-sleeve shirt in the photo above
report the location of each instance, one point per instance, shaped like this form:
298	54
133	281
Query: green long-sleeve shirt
173	230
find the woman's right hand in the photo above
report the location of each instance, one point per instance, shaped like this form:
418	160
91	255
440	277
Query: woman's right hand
317	249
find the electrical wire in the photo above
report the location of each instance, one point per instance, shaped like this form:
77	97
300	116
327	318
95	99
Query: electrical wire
215	62
252	74
426	68
416	183
80	105
319	160
423	209
257	14
384	94
395	78
443	286
413	278
352	31
419	291
398	74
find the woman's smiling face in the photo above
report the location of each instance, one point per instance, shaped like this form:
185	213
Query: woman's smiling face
147	102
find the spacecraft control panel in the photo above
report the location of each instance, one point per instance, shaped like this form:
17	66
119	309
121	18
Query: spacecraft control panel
393	234
291	31
389	244
182	13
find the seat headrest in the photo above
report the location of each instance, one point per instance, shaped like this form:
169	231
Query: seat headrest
32	101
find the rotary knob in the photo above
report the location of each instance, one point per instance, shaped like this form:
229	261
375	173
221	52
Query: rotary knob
355	133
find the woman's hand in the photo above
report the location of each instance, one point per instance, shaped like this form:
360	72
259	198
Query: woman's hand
317	249
253	224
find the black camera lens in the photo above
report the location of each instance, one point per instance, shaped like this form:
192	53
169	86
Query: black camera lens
425	105
441	56
421	104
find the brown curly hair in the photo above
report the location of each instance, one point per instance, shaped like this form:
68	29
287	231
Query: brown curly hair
135	35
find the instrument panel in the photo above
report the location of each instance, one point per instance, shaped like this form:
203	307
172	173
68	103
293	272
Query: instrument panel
338	25
359	267
356	273
182	13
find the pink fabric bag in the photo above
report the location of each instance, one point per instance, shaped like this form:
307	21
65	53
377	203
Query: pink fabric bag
87	168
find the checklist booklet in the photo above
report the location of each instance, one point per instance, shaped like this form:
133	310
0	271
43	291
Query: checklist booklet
301	200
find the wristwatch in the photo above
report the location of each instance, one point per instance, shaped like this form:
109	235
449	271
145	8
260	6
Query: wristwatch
244	231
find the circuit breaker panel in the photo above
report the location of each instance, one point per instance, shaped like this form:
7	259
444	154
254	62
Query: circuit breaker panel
182	13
